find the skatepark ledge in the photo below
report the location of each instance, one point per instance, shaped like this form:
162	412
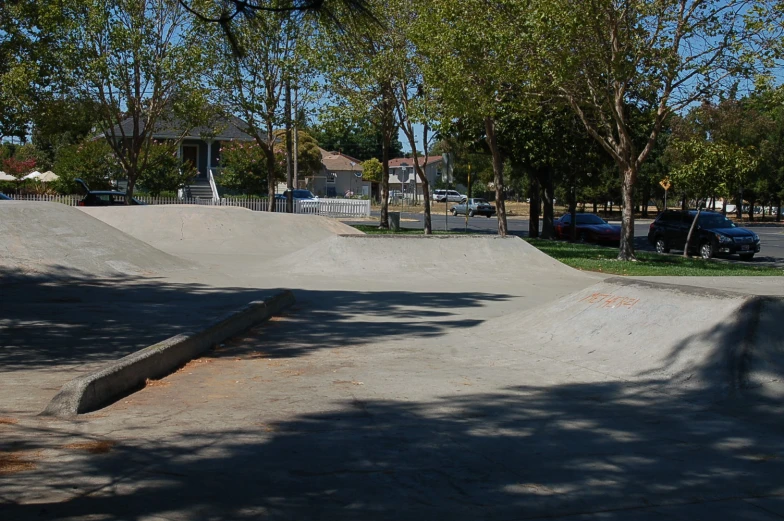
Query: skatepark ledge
93	391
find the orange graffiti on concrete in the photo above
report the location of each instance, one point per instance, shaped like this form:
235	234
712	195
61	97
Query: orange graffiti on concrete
608	300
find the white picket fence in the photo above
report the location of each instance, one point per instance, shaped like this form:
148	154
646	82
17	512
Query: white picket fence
325	207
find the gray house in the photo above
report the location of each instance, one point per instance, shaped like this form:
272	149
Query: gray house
200	145
340	175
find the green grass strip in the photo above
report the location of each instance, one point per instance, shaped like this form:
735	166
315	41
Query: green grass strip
588	257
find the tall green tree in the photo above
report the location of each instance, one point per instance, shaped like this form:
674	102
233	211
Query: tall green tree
359	83
362	139
254	86
139	63
475	56
606	57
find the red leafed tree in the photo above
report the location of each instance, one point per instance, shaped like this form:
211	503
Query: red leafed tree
17	168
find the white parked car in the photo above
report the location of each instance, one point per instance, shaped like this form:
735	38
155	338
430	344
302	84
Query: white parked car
453	196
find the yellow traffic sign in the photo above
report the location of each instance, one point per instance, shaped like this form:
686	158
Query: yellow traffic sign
665	183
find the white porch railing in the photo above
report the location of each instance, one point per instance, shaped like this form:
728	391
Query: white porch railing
325	207
213	187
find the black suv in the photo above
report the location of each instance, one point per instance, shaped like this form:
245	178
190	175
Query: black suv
102	197
714	235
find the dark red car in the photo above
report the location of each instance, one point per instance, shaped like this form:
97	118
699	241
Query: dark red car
590	228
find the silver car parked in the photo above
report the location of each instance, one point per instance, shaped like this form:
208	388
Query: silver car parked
474	207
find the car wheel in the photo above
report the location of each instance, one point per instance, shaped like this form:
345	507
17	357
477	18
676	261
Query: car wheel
488	216
746	256
706	250
470	213
454	212
661	246
582	237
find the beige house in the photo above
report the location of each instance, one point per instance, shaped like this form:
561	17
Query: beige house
403	179
340	176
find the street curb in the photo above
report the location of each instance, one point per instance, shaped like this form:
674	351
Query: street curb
93	391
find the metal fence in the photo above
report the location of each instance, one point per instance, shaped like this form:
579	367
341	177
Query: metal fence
325	207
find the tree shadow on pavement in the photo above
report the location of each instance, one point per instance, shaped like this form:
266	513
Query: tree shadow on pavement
76	320
523	452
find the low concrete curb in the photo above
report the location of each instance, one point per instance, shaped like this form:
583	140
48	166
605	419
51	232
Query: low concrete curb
96	390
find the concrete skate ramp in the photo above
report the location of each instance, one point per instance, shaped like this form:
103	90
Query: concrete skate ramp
707	345
450	257
53	239
200	232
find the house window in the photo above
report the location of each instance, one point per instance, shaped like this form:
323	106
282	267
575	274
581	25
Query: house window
331	177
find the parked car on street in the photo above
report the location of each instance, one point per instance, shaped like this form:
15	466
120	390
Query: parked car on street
299	195
103	197
452	196
714	235
589	227
474	207
4	197
304	199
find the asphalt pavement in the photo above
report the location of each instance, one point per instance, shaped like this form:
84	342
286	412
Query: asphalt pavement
771	236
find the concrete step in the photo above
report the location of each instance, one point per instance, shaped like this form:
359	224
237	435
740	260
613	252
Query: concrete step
199	188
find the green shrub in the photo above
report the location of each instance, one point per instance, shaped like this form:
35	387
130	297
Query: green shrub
245	168
164	172
93	161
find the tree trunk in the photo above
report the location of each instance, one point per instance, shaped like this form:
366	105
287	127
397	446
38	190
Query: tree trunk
270	155
426	195
646	196
751	209
595	207
739	206
626	250
535	203
132	176
548	228
691	231
778	211
498	175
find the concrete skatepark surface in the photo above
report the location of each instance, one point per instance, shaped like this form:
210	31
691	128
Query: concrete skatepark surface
462	378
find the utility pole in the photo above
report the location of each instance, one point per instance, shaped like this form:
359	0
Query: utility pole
289	163
296	139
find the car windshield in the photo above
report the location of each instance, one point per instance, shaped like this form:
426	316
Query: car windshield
589	219
303	194
479	201
712	220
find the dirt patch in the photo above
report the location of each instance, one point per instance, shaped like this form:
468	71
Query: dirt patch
155	383
13	462
93	447
194	363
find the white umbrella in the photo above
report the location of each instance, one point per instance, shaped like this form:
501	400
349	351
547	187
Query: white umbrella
48	176
6	177
33	175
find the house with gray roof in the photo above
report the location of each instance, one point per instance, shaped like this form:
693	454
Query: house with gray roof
199	145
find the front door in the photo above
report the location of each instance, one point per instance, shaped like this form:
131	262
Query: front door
190	154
